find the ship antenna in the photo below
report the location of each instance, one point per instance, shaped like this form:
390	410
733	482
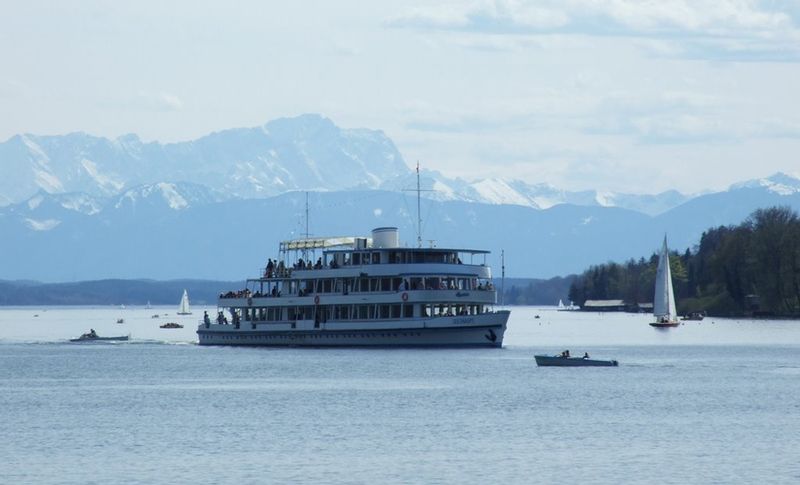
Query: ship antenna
419	191
503	279
306	214
419	211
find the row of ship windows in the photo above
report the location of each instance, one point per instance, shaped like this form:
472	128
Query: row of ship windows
313	336
356	312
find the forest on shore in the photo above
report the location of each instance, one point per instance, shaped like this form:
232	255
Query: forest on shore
749	269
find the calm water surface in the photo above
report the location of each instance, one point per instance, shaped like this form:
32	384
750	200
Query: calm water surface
714	402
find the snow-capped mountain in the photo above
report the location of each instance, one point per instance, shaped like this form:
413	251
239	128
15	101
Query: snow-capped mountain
308	152
779	183
537	196
45	212
149	233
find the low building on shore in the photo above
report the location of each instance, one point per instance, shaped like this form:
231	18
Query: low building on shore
604	306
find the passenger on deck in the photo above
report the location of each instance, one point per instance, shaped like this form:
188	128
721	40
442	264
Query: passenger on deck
206	320
319	264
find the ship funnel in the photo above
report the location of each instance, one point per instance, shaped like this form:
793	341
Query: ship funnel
385	237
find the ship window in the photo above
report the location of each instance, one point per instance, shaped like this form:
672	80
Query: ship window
373	284
384	311
344	312
371	312
362	312
376	258
327	285
386	284
395	311
364	283
408	311
291	313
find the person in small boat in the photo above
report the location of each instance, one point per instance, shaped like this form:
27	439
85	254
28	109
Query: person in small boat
565	354
92	333
586	355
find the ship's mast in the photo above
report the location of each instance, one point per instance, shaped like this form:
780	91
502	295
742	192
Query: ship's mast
419	211
305	251
503	280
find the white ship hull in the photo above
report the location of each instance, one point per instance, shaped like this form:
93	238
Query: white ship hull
485	330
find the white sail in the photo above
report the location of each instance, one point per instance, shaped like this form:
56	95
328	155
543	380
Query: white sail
184	307
561	305
664	308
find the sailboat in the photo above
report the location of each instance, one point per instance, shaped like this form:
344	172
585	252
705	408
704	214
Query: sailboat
664	308
561	305
184	307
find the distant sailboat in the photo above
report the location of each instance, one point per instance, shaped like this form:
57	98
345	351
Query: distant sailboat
184	307
664	308
148	306
561	305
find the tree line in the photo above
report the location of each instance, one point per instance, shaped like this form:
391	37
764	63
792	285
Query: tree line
749	269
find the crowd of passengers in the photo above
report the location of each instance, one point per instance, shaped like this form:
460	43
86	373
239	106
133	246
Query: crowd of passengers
221	318
276	269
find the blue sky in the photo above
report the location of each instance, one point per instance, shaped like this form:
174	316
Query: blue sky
617	95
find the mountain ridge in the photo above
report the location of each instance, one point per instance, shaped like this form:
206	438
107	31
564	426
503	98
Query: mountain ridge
306	152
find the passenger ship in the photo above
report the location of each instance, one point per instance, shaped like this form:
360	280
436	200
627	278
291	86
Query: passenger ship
363	292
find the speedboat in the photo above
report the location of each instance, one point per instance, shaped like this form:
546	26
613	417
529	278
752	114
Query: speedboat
171	325
695	316
93	337
561	361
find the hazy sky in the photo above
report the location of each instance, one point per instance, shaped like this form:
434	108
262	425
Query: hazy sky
616	95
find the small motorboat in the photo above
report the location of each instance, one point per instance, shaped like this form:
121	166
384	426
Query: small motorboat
695	316
93	337
120	320
562	361
156	316
171	325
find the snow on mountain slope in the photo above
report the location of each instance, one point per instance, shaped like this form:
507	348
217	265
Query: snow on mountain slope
174	196
779	183
308	152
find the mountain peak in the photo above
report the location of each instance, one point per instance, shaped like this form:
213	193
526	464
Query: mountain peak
779	183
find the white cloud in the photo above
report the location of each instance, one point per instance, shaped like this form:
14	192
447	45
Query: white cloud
716	29
160	101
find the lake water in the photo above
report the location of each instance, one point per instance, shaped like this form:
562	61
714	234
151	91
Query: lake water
710	402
